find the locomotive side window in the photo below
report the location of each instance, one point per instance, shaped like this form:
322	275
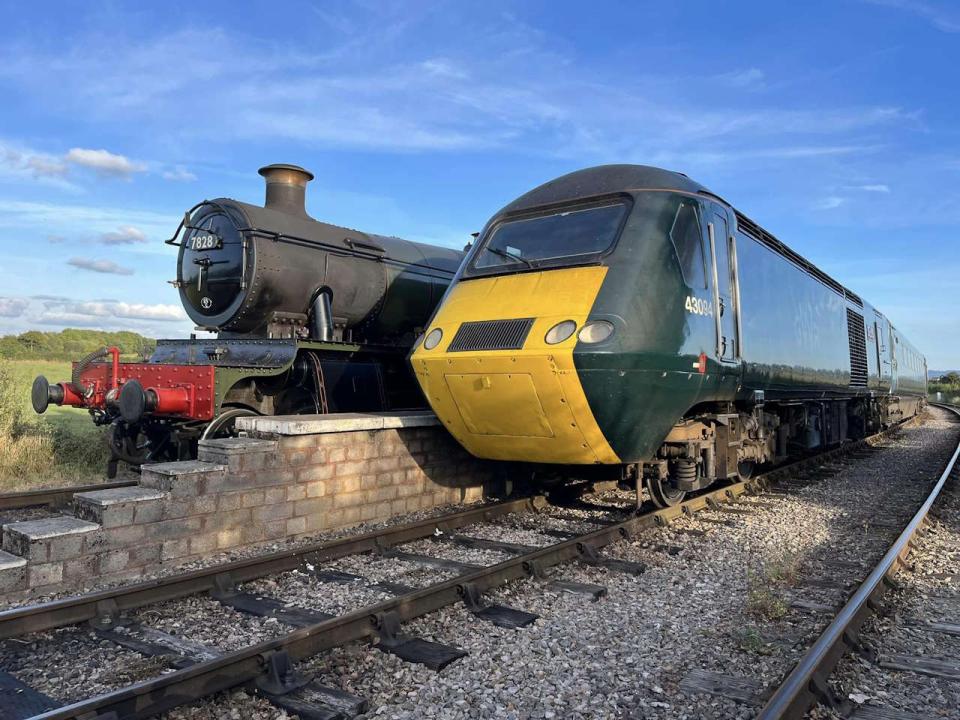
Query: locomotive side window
687	241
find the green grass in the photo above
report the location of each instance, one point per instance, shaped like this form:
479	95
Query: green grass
60	447
24	371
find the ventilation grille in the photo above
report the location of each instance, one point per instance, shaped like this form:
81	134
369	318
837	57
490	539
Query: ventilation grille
858	349
491	335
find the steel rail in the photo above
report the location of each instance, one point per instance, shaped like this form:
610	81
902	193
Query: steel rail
242	666
236	668
806	683
53	496
81	608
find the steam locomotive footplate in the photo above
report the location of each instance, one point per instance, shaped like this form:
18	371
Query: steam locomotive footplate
19	700
270	607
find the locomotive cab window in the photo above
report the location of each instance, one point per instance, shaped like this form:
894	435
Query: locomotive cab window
575	234
687	240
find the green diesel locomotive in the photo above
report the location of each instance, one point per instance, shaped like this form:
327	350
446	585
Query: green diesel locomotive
626	317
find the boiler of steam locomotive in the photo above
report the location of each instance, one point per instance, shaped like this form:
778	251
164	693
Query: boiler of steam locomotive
273	271
308	318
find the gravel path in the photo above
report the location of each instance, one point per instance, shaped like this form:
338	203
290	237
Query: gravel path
720	594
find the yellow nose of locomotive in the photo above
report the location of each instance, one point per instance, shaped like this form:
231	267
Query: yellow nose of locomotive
494	380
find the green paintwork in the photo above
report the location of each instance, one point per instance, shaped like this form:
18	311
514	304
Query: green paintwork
642	381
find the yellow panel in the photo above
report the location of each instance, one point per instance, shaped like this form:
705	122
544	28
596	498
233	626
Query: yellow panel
549	297
481	399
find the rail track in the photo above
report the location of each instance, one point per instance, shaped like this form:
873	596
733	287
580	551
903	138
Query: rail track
269	665
56	497
808	683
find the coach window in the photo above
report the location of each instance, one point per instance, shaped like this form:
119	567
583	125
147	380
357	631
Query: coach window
687	241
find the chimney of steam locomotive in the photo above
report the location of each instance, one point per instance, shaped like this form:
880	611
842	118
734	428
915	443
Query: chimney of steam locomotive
286	188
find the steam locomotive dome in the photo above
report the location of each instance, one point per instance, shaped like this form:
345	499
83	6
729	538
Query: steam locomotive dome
246	269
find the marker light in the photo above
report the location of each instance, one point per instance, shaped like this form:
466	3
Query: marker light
433	339
596	331
560	332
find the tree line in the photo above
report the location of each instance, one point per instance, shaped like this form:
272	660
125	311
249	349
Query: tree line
71	344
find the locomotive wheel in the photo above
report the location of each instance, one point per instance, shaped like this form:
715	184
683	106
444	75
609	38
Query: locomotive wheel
745	469
662	495
224	425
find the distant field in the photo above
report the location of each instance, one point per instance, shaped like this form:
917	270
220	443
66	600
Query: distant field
60	447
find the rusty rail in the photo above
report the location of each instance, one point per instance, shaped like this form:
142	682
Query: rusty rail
53	496
236	668
807	682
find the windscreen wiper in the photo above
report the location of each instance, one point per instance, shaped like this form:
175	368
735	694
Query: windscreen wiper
508	255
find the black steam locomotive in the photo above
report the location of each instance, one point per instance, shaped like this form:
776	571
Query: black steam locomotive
308	318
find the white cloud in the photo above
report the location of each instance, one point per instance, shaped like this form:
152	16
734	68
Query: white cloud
831	202
13	307
940	17
104	162
63	220
140	311
100	312
100	266
513	90
124	235
179	174
21	164
879	188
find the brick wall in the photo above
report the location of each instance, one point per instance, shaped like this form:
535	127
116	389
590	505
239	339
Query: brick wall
290	478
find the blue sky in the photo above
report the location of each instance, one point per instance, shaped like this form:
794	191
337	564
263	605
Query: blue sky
834	124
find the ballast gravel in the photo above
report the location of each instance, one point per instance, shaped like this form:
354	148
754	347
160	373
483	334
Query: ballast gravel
722	592
699	605
928	591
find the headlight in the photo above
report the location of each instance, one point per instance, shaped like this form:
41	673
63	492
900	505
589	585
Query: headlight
433	339
560	332
596	331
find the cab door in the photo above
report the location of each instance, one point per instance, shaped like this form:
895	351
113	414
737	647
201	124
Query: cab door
884	350
723	252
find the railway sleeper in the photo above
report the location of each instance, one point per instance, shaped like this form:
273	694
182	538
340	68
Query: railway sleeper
19	700
500	615
434	655
590	590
